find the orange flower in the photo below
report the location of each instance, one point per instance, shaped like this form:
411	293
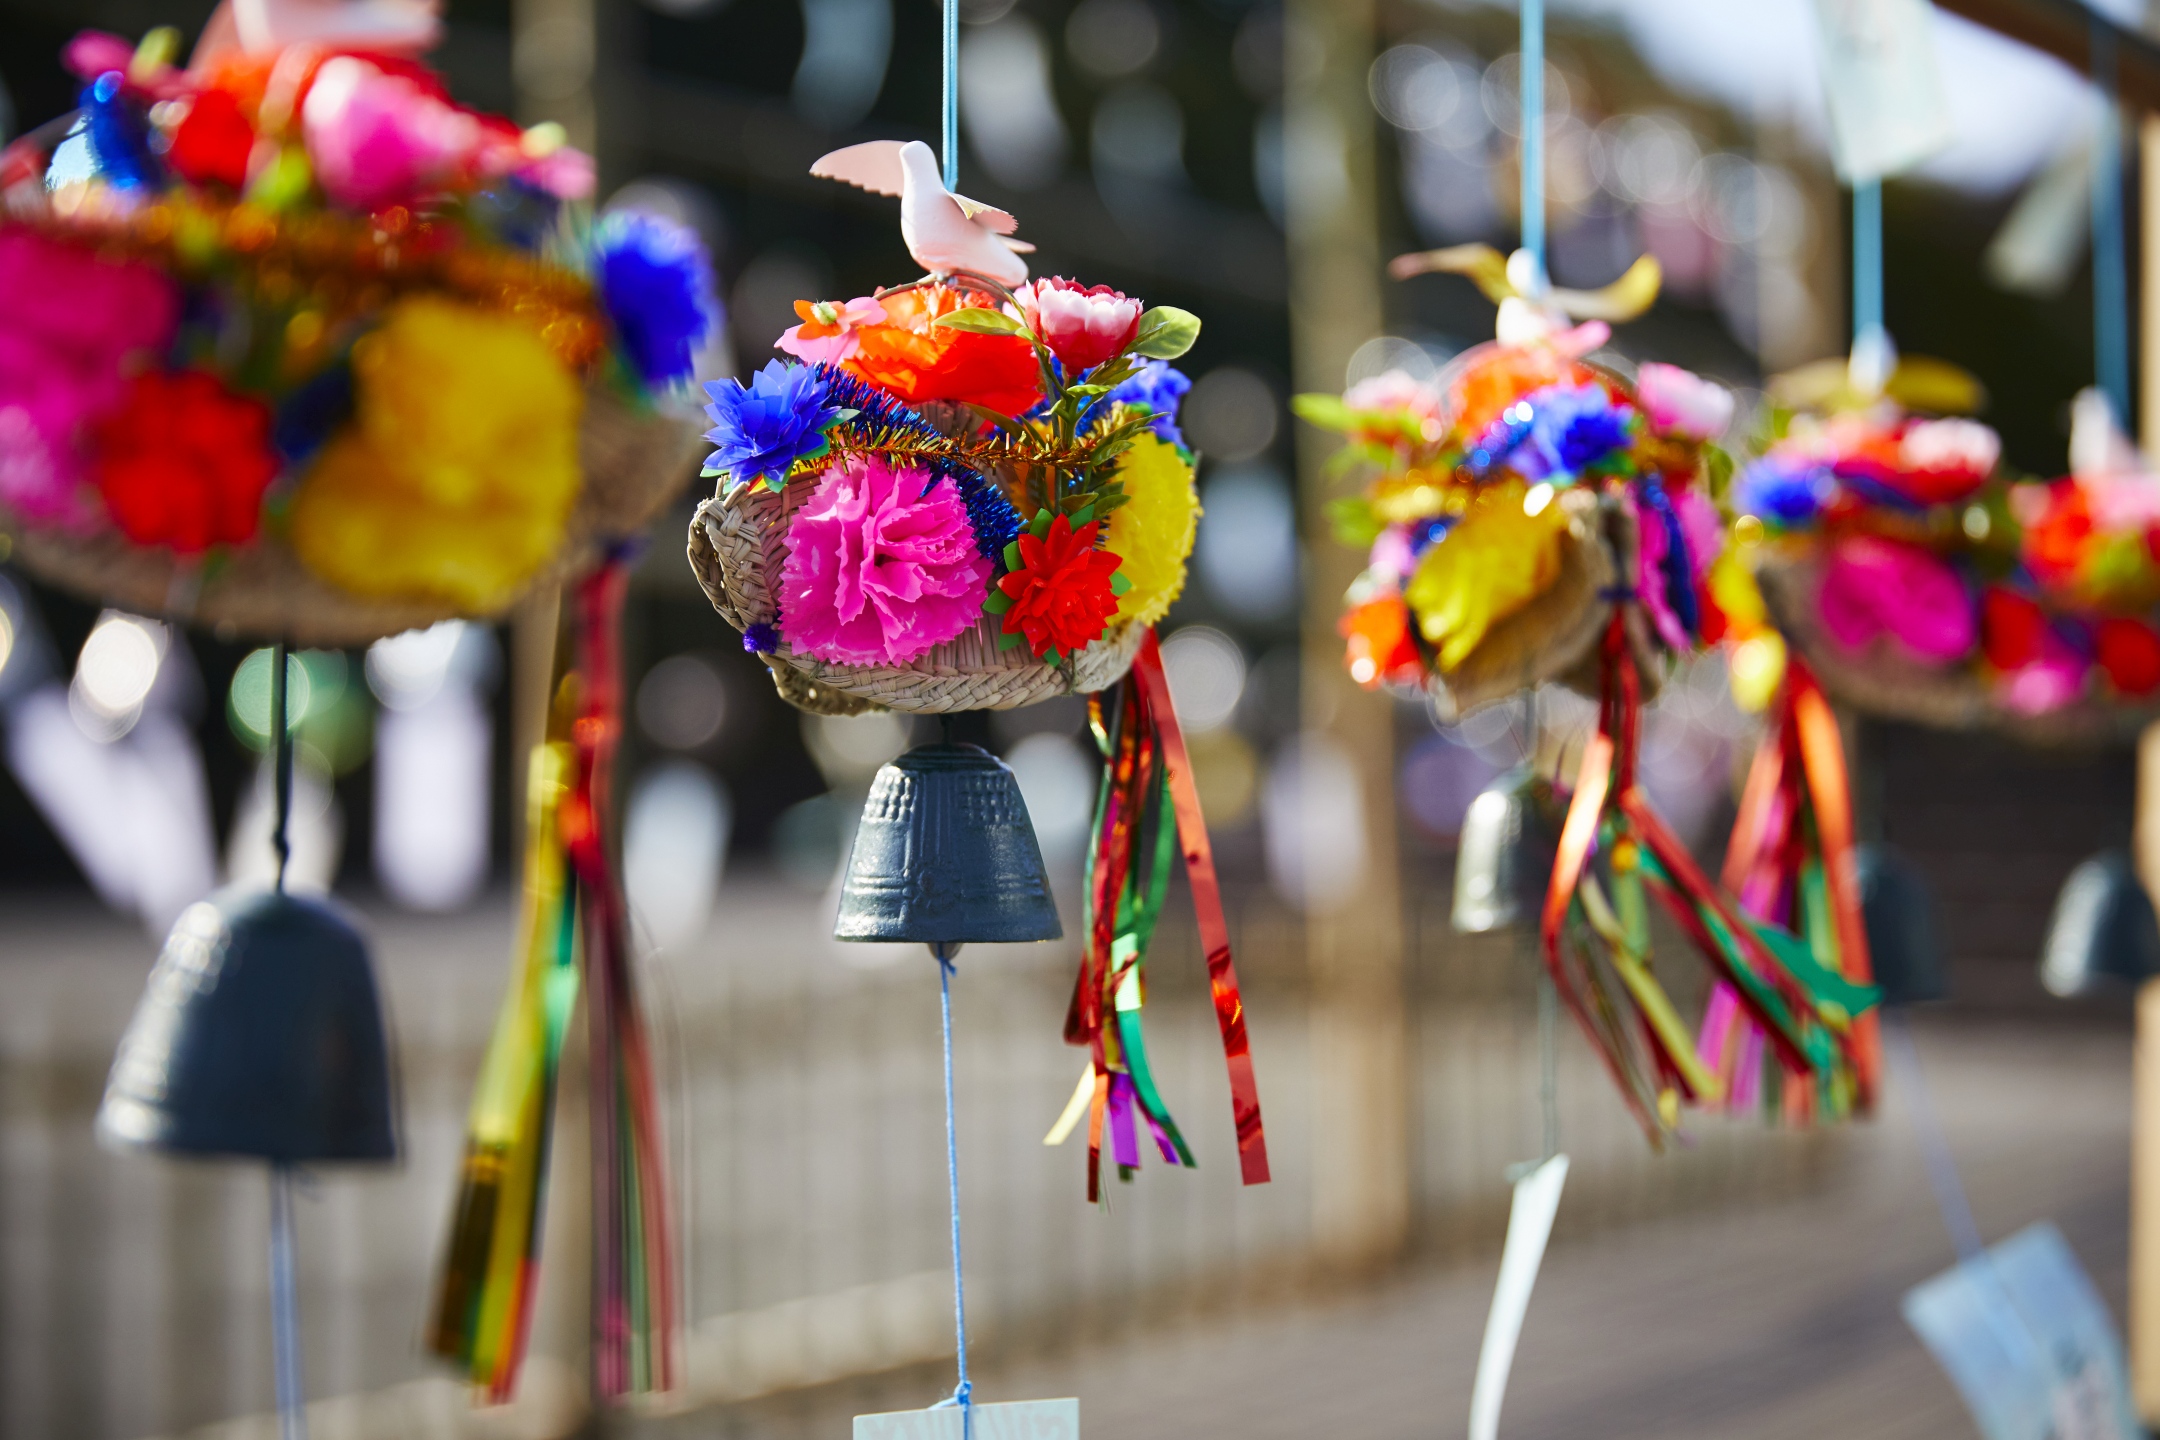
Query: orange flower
1380	648
907	357
1504	374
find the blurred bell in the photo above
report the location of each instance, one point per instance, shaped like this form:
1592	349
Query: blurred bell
1903	943
2102	932
1504	860
260	1035
945	855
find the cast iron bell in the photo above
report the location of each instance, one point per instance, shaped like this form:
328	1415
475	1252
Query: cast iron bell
945	855
1903	942
259	1035
2102	931
1504	860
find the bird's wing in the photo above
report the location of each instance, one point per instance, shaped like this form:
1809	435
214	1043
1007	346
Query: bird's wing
873	165
996	221
1018	247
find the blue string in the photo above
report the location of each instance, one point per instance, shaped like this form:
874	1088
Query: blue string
1532	86
285	1301
1867	258
1935	1153
2111	300
949	128
964	1393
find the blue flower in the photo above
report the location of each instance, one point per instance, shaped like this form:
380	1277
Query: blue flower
764	427
656	283
1785	492
1572	428
1159	388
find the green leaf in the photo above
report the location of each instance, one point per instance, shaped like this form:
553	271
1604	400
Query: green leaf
998	603
1166	332
1009	642
1353	520
711	472
1012	555
1088	391
991	417
1104	504
1718	465
1326	411
1119	584
1084	514
981	322
1040	525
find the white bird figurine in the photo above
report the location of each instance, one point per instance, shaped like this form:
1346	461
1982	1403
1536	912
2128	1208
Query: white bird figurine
944	232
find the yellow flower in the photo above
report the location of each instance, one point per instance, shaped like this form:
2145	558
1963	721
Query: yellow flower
457	477
1492	564
1153	530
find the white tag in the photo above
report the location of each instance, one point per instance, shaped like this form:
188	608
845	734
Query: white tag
1887	110
1529	1226
1013	1420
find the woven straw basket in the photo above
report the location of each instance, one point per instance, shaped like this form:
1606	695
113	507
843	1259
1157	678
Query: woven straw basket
737	544
634	465
1884	681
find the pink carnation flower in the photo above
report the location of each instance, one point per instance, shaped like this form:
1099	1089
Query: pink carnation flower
881	566
70	324
1394	391
1875	587
376	139
1680	402
2054	678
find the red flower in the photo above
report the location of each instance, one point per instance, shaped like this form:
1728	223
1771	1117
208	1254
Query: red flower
909	357
2011	629
1060	594
1083	326
184	462
1380	648
2129	651
213	141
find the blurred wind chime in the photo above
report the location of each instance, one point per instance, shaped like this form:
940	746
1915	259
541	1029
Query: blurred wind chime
972	494
301	349
1535	515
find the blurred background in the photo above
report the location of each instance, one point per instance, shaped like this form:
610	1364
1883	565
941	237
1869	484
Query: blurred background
1200	153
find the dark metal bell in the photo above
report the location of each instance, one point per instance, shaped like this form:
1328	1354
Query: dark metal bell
1504	859
2103	932
1904	943
260	1035
945	855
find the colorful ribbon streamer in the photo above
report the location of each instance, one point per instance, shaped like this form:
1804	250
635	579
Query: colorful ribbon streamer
1134	840
1615	852
573	940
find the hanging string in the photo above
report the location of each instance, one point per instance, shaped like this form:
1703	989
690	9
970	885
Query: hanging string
964	1393
280	761
1934	1146
2111	286
949	118
1867	260
1532	85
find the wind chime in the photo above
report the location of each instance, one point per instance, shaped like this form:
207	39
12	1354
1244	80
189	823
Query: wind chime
971	494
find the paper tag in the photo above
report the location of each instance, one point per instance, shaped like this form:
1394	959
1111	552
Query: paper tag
1887	109
2028	1342
1537	1200
1012	1420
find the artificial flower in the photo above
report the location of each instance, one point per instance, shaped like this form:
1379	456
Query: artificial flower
656	285
213	141
2012	627
184	462
1494	377
1494	562
456	480
2055	678
1394	554
762	429
1874	587
2128	652
881	565
1378	648
910	357
1943	461
829	332
1572	428
1680	402
1665	569
377	138
1153	530
1083	325
72	325
1159	388
1059	593
1788	491
1394	391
